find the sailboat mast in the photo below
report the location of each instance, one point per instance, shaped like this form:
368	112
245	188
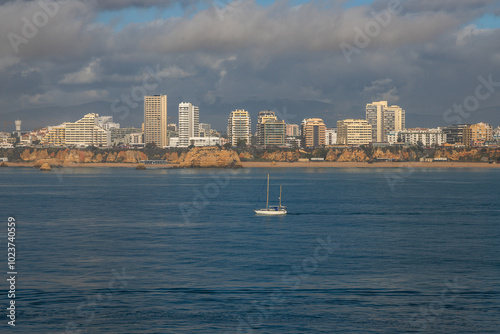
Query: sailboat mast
267	200
280	196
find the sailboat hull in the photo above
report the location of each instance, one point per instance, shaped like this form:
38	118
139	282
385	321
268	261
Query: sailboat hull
271	211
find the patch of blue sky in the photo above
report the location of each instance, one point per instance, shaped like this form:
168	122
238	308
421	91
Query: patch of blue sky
123	17
356	3
488	21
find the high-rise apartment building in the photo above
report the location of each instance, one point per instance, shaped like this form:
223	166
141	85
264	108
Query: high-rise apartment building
384	119
477	134
189	123
239	126
313	132
155	120
273	133
354	132
264	116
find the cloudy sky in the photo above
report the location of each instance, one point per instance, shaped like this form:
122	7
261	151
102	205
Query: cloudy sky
439	60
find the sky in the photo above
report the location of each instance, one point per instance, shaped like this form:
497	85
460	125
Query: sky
439	60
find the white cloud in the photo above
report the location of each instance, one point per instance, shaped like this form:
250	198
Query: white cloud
465	35
174	72
88	74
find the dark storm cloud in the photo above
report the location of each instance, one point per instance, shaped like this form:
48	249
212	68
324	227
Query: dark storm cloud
425	58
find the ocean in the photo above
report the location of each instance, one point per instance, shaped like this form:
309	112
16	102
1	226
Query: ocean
362	250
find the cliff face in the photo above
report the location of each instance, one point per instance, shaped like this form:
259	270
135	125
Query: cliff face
68	156
468	155
174	157
281	156
216	157
210	157
387	154
359	155
27	155
197	157
246	156
346	155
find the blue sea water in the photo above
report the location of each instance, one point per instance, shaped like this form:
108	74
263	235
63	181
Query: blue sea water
112	250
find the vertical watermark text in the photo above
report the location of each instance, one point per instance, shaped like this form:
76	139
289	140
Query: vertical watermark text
11	271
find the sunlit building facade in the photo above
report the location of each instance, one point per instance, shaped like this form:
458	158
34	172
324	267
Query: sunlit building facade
87	132
313	132
354	132
55	136
239	127
478	134
384	119
155	120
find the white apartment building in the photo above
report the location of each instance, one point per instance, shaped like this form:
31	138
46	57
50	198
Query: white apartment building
106	122
134	138
204	141
496	134
427	137
330	136
87	132
189	123
239	126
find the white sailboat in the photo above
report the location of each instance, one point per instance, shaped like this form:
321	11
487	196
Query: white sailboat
271	210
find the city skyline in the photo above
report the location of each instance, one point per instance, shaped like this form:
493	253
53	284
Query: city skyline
195	118
428	57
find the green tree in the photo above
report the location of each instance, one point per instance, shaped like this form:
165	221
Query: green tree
241	143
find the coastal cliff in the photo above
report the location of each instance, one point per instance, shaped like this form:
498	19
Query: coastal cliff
346	155
71	156
196	157
210	157
218	157
281	156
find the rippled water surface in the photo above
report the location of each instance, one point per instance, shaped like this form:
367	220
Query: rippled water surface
181	251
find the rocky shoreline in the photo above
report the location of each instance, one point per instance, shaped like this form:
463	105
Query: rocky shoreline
216	157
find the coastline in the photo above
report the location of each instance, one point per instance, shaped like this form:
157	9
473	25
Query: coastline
92	164
270	164
334	164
